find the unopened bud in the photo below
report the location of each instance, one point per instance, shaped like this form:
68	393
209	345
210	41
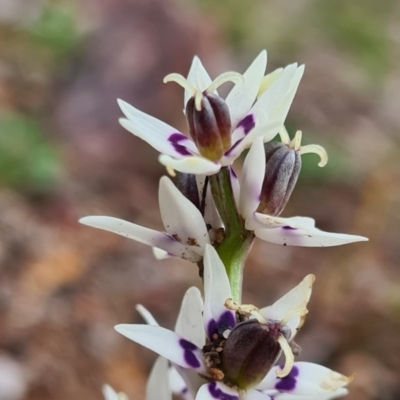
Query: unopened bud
251	350
282	169
210	125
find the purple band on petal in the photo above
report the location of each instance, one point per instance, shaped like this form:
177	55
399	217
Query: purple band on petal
247	123
233	173
226	321
288	228
175	139
288	383
188	354
217	393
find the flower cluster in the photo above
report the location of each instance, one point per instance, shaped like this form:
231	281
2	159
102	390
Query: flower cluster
220	348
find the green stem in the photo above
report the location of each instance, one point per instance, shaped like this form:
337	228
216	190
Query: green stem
237	240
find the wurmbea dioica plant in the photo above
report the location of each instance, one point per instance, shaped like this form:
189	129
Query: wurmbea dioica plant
222	349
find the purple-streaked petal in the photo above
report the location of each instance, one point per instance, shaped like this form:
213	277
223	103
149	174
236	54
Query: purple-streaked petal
146	315
158	387
189	324
252	179
166	343
198	77
306	379
141	235
190	165
181	218
110	394
217	391
292	232
242	96
235	186
217	318
177	384
161	136
292	307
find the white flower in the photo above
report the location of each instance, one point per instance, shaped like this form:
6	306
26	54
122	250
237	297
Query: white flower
200	326
257	105
294	231
185	233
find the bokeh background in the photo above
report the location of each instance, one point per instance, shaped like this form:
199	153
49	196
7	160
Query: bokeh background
63	155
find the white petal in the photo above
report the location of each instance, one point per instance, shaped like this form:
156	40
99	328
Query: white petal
110	394
252	179
146	315
235	186
306	379
242	96
292	307
217	318
141	235
160	254
166	343
328	396
190	165
181	218
176	382
189	324
198	77
163	137
256	395
158	387
292	232
216	391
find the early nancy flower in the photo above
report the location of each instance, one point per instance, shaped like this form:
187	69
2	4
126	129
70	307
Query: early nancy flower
219	129
227	351
264	193
185	233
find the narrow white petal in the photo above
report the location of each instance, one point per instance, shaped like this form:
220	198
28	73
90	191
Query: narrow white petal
160	254
198	77
158	387
291	308
328	396
241	98
190	165
166	343
304	236
306	379
177	383
217	318
189	324
252	179
217	391
181	218
235	186
163	137
146	315
141	235
110	394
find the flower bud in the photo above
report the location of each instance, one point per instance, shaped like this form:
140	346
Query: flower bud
187	185
250	352
282	169
209	124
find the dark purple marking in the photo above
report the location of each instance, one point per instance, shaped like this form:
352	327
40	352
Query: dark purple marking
288	383
288	228
184	390
233	173
226	321
247	123
219	394
188	355
174	139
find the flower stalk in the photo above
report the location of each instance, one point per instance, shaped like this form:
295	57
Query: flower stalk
237	241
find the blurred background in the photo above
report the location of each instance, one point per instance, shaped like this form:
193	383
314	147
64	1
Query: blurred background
63	155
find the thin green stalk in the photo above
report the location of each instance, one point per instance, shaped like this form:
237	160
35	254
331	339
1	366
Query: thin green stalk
237	240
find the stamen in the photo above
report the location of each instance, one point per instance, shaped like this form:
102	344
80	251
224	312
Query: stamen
283	133
296	142
245	309
319	150
197	100
230	76
289	357
181	81
170	171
